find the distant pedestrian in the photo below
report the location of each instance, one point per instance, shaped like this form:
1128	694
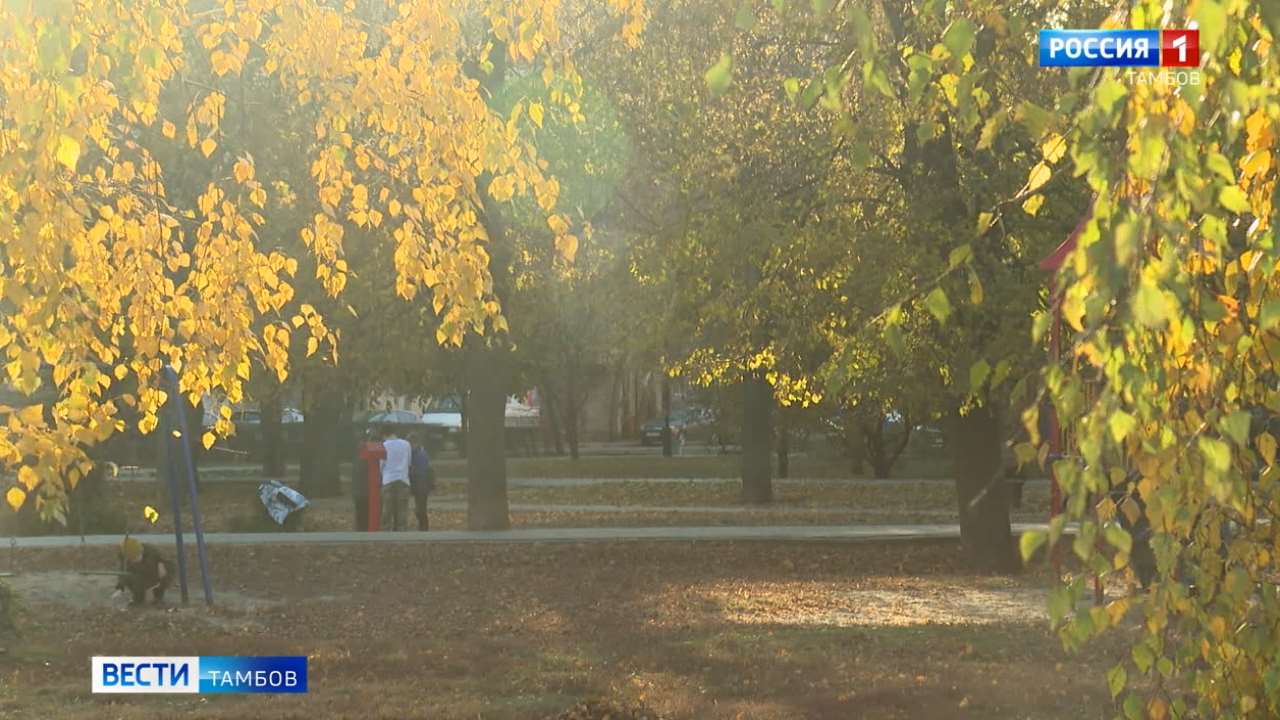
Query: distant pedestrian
360	483
395	479
422	479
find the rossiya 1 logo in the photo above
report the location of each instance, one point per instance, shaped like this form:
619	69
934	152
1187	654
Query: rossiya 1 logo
1175	52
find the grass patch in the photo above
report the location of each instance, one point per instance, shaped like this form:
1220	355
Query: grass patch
520	632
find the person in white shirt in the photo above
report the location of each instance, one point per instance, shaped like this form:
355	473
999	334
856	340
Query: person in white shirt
395	480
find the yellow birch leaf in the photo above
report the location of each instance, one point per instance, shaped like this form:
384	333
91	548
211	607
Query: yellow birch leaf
568	246
312	345
15	497
243	170
168	129
150	514
208	146
68	151
28	477
1053	148
208	439
1039	175
535	113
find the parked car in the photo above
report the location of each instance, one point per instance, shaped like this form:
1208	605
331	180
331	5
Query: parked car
443	421
252	416
392	417
688	421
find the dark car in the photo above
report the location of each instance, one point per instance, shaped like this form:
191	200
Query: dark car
688	421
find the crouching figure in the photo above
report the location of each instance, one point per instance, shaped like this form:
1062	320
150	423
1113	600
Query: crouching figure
143	570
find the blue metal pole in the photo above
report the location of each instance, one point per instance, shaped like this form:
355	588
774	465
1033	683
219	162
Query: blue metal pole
196	522
166	427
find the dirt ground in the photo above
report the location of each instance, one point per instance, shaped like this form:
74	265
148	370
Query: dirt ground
706	630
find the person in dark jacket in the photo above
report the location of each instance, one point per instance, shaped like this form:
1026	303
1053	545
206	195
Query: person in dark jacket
360	484
422	478
143	571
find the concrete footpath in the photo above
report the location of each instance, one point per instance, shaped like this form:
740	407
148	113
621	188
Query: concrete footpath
822	533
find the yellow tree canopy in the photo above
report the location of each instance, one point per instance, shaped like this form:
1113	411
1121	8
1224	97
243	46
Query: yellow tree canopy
107	274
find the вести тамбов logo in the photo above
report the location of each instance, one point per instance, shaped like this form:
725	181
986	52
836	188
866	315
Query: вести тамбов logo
199	674
1175	52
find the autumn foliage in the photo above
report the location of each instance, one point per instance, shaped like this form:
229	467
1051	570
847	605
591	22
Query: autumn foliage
139	231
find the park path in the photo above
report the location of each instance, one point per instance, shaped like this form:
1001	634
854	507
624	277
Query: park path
815	533
456	503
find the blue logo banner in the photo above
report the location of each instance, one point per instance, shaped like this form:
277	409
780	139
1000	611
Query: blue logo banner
202	674
1093	48
234	674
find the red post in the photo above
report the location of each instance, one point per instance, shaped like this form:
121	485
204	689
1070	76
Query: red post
372	453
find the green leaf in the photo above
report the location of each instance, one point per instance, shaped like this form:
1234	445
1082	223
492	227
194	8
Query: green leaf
1001	372
1221	165
1118	538
938	305
893	338
1126	241
745	18
1234	199
720	75
1217	454
959	254
1236	426
792	87
1269	315
860	24
975	288
927	131
68	152
1212	19
1120	423
1133	707
1033	117
1149	305
978	373
1109	92
991	129
811	93
873	74
1116	679
959	37
1143	658
1029	542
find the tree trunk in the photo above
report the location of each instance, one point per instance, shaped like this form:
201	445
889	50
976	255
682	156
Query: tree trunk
880	454
552	406
321	444
615	401
757	439
667	449
784	448
272	440
854	444
487	507
984	507
571	408
464	420
873	433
